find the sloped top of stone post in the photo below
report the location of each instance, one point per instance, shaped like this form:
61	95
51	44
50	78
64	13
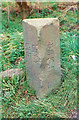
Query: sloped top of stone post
40	22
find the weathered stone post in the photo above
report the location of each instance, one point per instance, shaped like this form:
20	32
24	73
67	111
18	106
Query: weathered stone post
42	54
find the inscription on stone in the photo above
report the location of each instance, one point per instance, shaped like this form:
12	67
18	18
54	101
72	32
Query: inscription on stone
42	54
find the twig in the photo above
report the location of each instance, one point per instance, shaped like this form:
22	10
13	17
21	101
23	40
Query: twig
11	72
8	11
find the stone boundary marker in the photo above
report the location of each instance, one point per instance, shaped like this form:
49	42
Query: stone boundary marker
42	54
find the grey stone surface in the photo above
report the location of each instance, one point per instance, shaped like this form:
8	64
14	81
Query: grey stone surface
42	54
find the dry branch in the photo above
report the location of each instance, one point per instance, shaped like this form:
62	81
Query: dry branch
11	72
